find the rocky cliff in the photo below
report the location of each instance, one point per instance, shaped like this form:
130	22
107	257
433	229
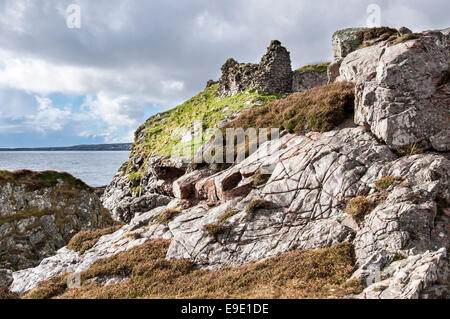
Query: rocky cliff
359	176
40	212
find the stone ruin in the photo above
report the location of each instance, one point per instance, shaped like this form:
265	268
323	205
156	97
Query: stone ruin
272	75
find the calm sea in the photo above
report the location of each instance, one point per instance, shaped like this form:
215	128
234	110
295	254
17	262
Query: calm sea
94	168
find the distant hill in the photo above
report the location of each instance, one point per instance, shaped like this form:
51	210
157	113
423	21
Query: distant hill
97	147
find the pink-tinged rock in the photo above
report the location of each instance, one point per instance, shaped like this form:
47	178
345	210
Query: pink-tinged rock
184	187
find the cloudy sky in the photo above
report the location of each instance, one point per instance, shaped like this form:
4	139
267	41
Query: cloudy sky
130	59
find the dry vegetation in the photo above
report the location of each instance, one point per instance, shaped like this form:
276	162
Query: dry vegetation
321	273
37	180
319	109
6	294
387	181
359	207
166	216
85	240
255	205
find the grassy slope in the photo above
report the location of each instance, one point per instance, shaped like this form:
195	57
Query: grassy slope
321	273
155	136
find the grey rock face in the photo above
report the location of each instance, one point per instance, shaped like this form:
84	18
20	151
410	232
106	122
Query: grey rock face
272	75
345	42
411	219
311	178
306	80
34	223
156	186
66	261
421	276
398	91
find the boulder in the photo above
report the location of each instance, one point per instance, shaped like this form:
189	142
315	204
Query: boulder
411	219
399	91
423	276
345	42
184	187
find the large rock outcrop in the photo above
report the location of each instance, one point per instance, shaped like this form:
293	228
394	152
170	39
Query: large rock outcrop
41	212
401	92
156	186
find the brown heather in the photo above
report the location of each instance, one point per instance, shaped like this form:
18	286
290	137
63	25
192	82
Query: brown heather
37	180
319	109
321	273
85	240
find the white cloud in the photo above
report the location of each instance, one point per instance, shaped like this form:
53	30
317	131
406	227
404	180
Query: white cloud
48	117
119	111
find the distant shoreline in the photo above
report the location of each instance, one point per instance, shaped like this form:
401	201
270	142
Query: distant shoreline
84	148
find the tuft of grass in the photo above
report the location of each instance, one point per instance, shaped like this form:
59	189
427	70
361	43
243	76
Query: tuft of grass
398	256
85	240
214	230
166	216
320	68
259	178
387	181
255	205
380	34
359	207
320	273
227	215
409	150
319	109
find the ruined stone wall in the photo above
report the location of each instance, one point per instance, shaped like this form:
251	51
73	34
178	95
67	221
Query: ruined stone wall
272	75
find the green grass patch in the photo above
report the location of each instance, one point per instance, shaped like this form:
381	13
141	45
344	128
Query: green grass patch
387	181
320	67
158	131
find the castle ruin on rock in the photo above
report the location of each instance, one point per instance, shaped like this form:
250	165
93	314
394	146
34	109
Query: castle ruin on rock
272	75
